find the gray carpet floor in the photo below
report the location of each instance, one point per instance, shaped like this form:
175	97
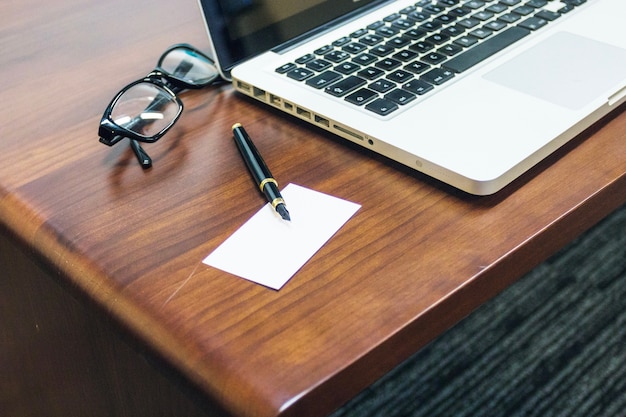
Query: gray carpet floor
552	344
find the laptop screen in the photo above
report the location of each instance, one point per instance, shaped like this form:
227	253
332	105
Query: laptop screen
240	29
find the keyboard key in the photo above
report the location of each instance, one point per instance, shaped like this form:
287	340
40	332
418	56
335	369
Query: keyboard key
405	56
533	23
382	50
548	15
510	17
446	18
382	106
421	47
323	50
431	26
371	39
386	31
453	31
450	49
300	74
341	41
365	59
392	17
324	79
469	23
510	2
418	87
434	8
347	67
345	86
370	73
438	38
382	85
399	42
358	33
283	69
481	33
434	58
483	15
414	34
460	11
403	24
304	59
318	65
354	48
417	67
399	76
474	4
523	10
496	8
400	96
418	16
495	25
388	64
486	49
336	56
375	25
437	76
362	96
466	41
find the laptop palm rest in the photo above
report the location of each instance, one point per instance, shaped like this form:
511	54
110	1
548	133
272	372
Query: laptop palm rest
566	69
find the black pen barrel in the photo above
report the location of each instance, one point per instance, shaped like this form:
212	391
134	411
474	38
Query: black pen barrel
259	170
255	163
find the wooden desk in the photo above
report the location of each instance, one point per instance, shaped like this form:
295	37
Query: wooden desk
128	243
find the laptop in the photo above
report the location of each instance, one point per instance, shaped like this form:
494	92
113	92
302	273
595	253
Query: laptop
471	92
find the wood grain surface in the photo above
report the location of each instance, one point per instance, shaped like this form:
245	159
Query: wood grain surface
415	259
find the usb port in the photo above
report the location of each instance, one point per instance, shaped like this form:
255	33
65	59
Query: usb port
321	120
302	112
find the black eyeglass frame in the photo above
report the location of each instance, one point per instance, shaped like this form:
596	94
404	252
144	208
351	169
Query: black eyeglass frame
111	133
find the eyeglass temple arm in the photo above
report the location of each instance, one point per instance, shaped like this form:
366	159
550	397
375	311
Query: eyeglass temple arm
142	156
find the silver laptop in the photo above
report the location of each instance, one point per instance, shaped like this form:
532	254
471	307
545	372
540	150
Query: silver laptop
471	92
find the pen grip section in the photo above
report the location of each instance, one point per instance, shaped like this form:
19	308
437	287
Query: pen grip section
270	189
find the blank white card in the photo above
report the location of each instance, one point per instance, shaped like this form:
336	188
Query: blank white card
269	250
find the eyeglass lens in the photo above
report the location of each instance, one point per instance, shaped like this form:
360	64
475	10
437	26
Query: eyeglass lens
145	109
186	65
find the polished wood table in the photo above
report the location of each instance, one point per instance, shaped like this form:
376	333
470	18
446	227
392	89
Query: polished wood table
105	306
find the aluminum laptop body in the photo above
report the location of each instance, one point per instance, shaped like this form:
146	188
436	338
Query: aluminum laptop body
478	130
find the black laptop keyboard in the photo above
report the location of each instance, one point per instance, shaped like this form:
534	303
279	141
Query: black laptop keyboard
390	63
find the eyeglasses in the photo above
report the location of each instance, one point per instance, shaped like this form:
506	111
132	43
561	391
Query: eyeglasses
146	109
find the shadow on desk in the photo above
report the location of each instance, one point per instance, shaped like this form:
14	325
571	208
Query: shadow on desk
59	357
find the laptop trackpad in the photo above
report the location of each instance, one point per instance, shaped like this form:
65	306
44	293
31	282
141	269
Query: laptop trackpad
566	69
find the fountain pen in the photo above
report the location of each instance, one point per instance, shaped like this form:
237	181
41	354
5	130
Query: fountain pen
259	170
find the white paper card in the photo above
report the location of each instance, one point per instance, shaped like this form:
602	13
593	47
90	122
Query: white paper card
269	250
